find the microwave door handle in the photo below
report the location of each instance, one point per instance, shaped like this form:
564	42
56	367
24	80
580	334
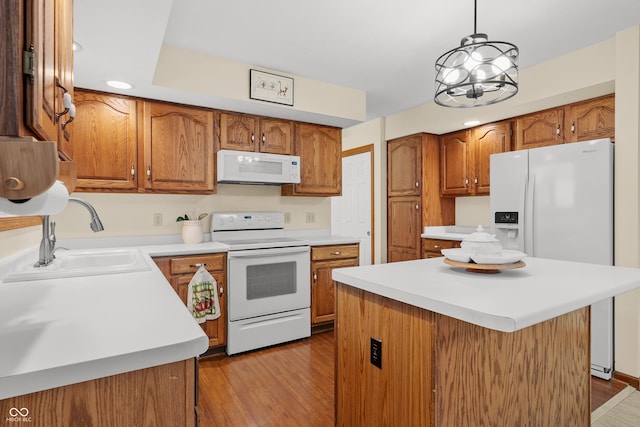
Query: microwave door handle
261	253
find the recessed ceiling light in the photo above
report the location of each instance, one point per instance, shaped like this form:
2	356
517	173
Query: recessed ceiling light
119	85
77	47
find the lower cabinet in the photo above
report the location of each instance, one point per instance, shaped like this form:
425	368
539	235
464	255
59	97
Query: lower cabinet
160	396
404	223
323	289
431	248
180	269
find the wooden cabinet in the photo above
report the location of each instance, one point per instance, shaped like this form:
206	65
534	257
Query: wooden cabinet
591	119
320	151
104	142
323	289
160	396
540	129
413	189
454	163
176	148
465	158
180	269
431	248
251	133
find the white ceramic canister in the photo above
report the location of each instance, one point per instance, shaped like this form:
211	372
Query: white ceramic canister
191	232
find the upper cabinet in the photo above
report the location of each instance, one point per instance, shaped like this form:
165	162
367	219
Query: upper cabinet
591	119
404	167
320	151
104	142
465	158
251	133
176	148
540	129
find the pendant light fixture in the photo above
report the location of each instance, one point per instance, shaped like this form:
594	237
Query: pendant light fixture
479	72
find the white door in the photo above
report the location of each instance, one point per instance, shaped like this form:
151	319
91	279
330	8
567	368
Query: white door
351	212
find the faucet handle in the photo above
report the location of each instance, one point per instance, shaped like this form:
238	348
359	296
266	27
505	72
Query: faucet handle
52	234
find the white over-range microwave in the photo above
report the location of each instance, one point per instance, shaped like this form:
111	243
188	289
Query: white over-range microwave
246	167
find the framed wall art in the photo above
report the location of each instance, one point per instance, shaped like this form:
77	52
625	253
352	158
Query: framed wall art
270	87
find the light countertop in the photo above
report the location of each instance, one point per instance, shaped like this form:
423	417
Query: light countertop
507	301
57	332
447	232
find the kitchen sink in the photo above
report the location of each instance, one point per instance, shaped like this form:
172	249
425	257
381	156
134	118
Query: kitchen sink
78	263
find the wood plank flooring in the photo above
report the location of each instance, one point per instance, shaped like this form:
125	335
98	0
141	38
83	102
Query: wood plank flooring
290	385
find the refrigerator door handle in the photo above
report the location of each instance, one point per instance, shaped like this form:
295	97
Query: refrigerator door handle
528	215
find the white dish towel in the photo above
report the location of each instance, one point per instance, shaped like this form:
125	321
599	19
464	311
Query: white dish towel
202	296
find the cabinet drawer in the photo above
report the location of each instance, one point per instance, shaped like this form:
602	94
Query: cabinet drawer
334	252
188	264
433	245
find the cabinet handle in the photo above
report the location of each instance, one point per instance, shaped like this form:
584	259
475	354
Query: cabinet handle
437	247
66	101
475	180
198	265
253	138
133	171
315	276
148	172
72	115
336	253
573	128
417	207
558	130
466	181
221	290
417	184
264	138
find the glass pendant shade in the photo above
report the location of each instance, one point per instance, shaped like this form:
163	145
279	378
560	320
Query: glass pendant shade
479	72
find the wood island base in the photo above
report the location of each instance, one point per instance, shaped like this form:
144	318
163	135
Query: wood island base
440	371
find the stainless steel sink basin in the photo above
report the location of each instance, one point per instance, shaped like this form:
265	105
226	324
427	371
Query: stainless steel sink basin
78	263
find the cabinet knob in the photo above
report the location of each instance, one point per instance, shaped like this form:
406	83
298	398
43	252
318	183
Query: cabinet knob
315	276
437	247
264	138
417	207
149	171
475	180
221	290
133	171
466	181
198	265
417	184
573	127
558	130
336	253
253	138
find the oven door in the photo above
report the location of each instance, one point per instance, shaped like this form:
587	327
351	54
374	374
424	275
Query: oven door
267	281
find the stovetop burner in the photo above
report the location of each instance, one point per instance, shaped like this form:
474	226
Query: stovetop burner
251	230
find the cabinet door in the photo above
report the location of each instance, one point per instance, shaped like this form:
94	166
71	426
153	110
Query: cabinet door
320	151
275	136
104	141
487	140
539	129
591	119
178	149
403	228
215	329
323	289
238	132
454	167
43	96
404	157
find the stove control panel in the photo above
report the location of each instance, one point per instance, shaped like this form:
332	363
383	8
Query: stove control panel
225	221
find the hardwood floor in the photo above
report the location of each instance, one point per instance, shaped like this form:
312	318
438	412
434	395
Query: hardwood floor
290	385
286	385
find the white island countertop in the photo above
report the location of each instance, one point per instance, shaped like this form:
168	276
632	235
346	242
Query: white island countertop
507	301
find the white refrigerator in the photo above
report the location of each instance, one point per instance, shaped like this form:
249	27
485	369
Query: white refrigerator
557	202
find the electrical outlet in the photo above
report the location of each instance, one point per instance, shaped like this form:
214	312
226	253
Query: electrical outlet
287	217
311	217
157	220
376	352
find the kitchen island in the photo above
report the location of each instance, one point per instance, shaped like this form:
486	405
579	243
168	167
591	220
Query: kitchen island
461	348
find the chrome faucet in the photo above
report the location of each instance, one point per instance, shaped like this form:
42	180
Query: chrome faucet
48	242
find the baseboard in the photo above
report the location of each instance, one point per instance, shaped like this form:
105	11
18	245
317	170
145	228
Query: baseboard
632	381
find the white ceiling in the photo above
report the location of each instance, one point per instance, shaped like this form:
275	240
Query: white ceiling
385	48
